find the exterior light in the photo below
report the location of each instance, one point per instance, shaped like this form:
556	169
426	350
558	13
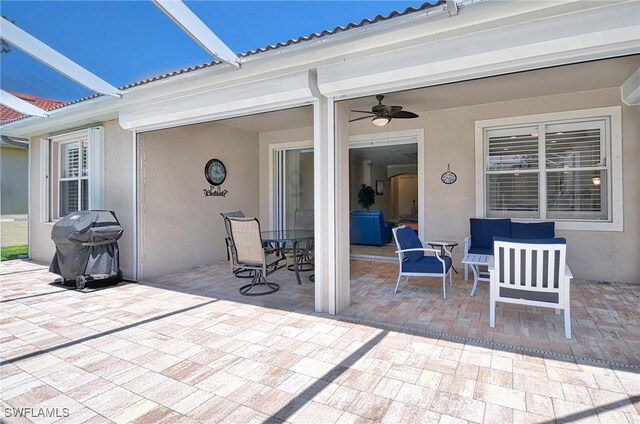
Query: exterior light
380	121
596	181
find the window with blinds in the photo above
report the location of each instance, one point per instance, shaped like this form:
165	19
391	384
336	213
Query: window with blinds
547	171
73	177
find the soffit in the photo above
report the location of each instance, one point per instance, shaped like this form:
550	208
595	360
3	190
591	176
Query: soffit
558	80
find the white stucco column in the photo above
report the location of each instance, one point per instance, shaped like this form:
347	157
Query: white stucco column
331	187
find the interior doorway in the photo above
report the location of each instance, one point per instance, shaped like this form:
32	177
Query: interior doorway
385	172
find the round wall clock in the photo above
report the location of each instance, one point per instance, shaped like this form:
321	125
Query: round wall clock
449	177
215	172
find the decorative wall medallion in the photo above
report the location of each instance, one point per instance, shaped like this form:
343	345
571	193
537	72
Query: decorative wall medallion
215	172
449	177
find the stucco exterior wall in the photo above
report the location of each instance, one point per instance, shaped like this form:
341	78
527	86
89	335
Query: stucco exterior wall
118	195
180	228
14	167
449	138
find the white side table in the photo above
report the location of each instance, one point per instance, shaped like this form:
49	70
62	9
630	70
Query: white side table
475	262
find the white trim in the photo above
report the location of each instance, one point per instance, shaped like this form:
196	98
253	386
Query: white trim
613	113
179	13
20	105
134	204
95	138
631	90
402	137
29	192
55	60
45	201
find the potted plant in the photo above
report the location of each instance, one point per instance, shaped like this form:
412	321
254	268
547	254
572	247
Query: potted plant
366	196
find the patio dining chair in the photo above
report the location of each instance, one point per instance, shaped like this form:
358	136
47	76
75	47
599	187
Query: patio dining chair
414	262
236	269
530	272
250	254
303	219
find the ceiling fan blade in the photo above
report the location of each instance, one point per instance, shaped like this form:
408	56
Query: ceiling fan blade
361	118
395	109
403	114
361	111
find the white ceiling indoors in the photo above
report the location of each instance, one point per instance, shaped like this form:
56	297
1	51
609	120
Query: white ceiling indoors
564	79
398	154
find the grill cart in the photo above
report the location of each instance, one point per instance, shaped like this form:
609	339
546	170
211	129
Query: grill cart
87	249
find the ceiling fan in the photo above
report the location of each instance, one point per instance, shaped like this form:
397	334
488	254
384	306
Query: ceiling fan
383	114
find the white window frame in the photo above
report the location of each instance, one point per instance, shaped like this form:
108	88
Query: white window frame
50	180
613	134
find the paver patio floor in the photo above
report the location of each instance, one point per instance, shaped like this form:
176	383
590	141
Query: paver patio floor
188	348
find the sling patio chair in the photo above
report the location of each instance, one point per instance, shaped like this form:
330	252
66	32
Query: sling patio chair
236	268
530	272
303	219
250	254
414	262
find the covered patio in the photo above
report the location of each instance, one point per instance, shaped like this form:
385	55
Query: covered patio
188	347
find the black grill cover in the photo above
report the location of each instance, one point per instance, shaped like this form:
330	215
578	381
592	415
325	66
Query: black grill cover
86	244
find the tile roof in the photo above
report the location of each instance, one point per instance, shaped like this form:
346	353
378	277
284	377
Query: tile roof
7	114
352	25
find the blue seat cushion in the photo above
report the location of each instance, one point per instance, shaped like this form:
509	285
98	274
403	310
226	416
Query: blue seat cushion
407	239
427	265
484	230
533	230
481	251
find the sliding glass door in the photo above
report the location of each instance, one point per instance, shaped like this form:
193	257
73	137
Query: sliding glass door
293	184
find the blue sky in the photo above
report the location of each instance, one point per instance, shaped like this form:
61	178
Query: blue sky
126	41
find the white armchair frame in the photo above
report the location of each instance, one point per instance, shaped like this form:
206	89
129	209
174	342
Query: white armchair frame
530	274
443	274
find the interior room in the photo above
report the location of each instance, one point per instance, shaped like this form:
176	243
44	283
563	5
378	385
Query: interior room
386	174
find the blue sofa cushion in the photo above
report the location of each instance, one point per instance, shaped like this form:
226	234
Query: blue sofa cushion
427	264
481	251
484	230
533	230
407	239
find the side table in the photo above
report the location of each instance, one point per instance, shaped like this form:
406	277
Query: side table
442	244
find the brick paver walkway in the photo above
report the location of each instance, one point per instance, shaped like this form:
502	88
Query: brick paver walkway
198	352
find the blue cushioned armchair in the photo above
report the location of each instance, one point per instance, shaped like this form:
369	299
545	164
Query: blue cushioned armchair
414	262
369	227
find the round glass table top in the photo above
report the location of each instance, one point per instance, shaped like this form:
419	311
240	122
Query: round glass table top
287	235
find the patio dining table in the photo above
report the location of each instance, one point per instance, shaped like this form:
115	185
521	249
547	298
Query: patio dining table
294	237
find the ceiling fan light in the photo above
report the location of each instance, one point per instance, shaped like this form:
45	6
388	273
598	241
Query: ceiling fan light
380	121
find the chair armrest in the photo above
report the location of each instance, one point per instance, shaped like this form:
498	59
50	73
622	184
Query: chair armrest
567	272
491	265
467	244
418	249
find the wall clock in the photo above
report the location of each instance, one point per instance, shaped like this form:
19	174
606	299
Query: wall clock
449	177
215	172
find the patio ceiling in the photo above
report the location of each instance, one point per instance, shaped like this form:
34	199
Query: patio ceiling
558	80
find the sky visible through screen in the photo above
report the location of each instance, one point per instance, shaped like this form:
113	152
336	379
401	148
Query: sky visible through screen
127	41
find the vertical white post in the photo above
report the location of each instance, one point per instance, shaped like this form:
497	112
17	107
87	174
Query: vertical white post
331	191
340	126
134	204
323	157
